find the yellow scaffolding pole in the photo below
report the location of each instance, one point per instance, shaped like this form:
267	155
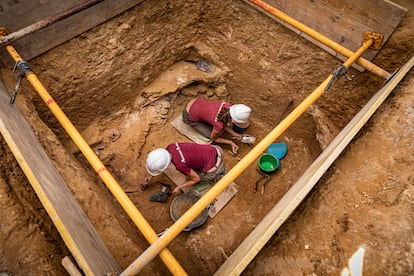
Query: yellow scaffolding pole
98	166
151	252
321	38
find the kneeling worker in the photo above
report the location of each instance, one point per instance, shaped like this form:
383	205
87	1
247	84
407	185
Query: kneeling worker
213	118
197	162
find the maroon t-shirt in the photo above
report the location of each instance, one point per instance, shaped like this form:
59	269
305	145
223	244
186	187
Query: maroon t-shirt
203	110
187	156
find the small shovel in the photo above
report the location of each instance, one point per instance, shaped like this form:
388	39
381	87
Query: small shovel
256	184
268	177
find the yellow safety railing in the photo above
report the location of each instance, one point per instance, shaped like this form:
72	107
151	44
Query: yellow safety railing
159	245
104	174
242	165
321	38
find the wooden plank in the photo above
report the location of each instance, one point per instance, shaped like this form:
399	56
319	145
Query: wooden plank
187	130
70	267
342	21
29	12
222	199
76	230
16	15
252	245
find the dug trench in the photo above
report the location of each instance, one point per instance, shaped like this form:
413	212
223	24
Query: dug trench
124	81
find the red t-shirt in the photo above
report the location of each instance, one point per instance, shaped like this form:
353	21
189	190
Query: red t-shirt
203	110
187	156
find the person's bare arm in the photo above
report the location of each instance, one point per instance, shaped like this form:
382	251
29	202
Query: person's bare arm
192	179
215	136
232	132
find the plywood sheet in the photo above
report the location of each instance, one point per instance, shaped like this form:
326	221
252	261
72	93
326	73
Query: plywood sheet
188	131
72	223
343	21
15	15
221	200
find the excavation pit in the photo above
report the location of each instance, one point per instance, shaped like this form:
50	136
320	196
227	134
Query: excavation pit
123	82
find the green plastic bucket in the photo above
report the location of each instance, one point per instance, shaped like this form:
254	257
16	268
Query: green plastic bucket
268	163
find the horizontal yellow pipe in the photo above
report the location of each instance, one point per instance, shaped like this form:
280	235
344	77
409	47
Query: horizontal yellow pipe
98	166
240	167
321	38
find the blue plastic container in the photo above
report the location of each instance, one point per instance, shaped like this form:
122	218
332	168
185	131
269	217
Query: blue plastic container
278	150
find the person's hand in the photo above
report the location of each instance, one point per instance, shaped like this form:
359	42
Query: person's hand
145	183
234	148
177	190
147	180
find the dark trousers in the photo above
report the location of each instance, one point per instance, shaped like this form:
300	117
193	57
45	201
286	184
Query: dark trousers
218	173
203	128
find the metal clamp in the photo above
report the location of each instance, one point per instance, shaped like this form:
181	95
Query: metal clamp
21	68
339	72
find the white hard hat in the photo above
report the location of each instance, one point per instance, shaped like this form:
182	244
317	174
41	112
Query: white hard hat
240	113
157	161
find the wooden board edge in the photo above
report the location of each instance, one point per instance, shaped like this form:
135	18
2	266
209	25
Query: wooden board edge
369	54
29	47
252	245
404	9
222	199
70	267
305	36
62	226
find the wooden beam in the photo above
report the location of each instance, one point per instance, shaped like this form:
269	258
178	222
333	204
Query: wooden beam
9	37
342	21
70	267
39	42
252	245
70	220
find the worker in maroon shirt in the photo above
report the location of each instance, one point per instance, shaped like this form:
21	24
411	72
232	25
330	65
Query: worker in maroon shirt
196	161
213	118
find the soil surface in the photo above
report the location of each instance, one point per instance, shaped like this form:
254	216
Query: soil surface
124	81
